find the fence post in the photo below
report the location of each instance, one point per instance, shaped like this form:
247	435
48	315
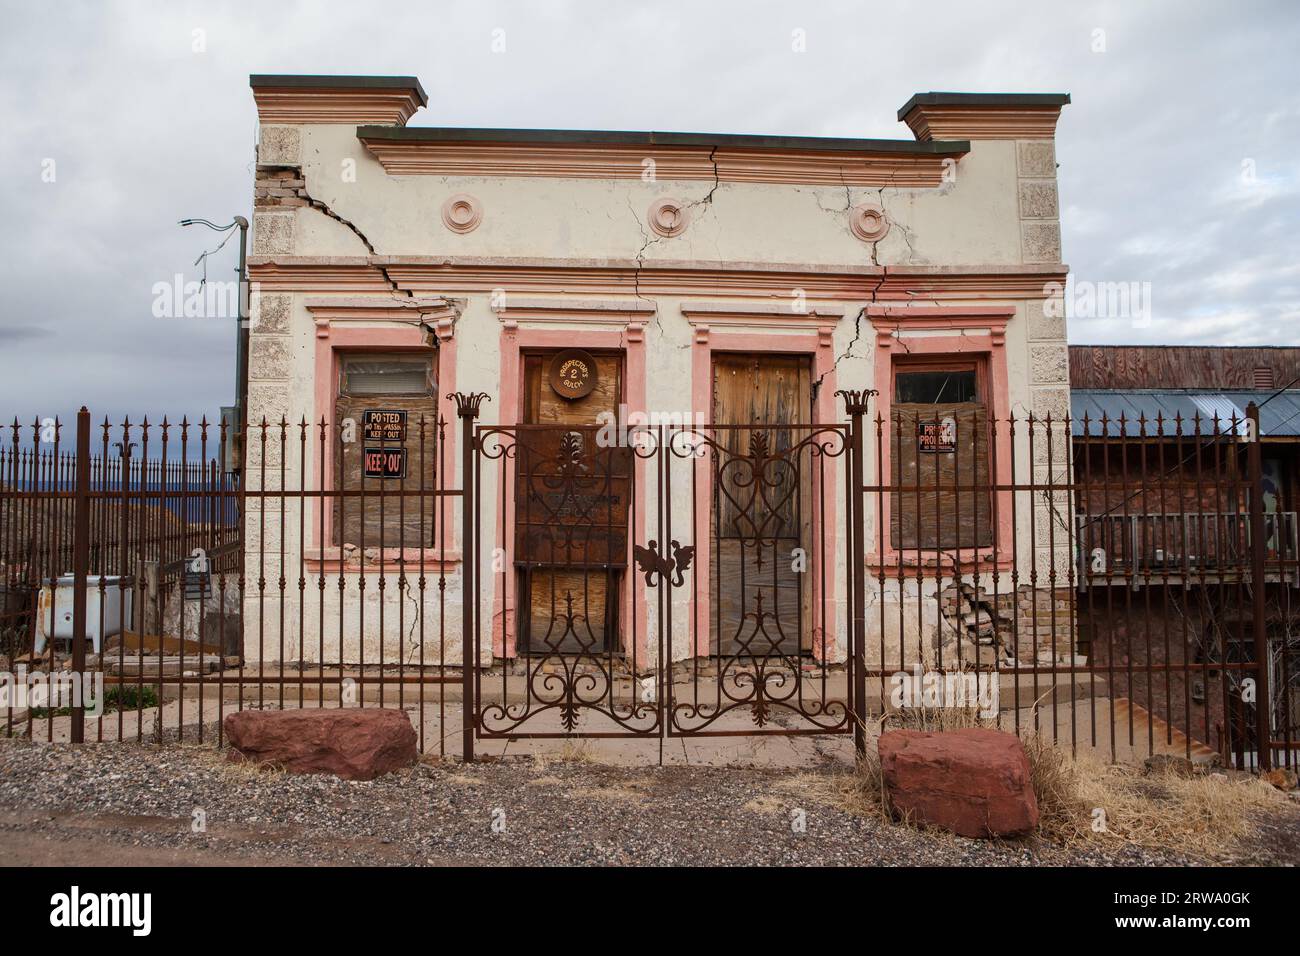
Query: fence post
855	404
1263	700
80	572
467	407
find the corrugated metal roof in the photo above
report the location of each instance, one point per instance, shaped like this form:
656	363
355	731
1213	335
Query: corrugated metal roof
1162	410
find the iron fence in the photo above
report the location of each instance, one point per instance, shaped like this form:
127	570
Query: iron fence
1121	584
1104	584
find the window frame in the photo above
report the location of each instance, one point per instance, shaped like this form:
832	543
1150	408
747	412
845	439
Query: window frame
937	363
913	332
940	363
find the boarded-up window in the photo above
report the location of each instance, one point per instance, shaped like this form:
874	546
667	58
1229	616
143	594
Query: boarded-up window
387	408
939	437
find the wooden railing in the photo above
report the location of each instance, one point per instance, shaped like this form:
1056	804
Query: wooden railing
1159	546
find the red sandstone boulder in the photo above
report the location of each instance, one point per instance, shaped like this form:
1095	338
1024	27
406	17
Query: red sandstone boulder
356	744
974	782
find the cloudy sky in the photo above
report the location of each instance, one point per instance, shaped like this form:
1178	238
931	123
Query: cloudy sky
1179	155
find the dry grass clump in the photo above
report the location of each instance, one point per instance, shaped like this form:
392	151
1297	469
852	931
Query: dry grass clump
1083	800
859	791
1055	778
936	719
576	751
635	791
764	804
571	751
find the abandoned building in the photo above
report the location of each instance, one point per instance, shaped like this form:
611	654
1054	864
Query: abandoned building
673	434
683	281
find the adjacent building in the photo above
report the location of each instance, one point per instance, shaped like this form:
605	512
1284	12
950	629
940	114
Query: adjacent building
1163	441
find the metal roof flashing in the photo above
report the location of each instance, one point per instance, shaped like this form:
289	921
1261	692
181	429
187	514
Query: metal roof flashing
1160	412
452	134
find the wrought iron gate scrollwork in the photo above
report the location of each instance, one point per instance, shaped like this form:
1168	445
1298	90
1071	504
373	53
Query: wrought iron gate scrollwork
570	609
568	495
763	489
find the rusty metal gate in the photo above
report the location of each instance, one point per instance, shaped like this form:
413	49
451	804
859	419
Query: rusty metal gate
671	580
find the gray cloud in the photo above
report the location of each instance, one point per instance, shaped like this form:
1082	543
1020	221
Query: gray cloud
144	131
23	333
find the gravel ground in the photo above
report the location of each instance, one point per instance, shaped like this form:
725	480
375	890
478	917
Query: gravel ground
122	803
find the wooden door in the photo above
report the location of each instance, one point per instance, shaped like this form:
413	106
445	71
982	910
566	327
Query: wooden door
762	507
571	511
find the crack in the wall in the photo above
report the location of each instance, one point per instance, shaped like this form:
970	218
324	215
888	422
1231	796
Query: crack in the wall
414	645
717	181
647	241
875	261
903	230
323	207
857	335
395	288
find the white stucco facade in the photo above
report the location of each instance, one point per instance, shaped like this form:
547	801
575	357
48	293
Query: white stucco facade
351	245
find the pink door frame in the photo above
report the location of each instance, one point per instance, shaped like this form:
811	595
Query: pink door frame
817	344
515	340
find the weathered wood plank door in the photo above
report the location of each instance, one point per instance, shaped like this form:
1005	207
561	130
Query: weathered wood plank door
571	513
761	505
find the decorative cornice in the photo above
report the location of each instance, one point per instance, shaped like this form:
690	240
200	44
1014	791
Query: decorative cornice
703	317
632	313
967	116
923	315
703	331
772	281
437	313
752	314
891	321
1032	118
947	123
351	100
563	160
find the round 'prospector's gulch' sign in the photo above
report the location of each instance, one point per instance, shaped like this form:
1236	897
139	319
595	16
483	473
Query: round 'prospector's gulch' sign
573	374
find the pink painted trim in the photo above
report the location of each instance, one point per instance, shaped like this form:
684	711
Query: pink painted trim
333	339
514	339
922	315
705	342
978	332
